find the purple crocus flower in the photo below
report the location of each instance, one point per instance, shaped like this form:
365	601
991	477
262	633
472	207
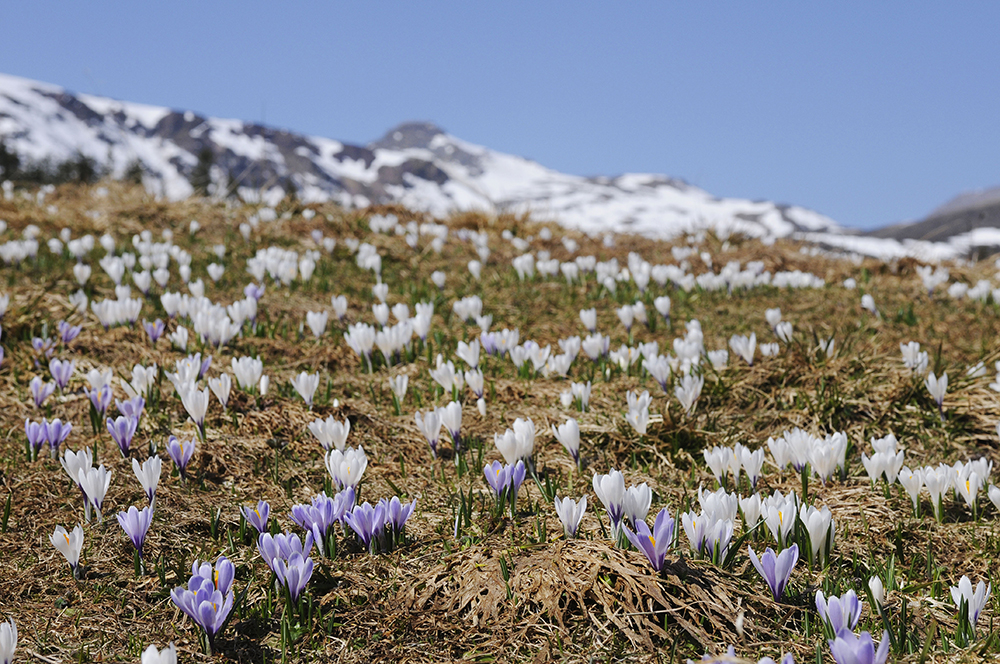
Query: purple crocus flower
294	574
254	291
154	330
62	371
396	514
516	478
205	365
343	503
204	604
368	522
67	332
488	341
1	356
40	391
850	649
656	543
839	612
56	432
45	346
257	516
319	517
498	477
35	433
122	429
135	523
132	407
221	575
282	546
776	568
101	399
180	452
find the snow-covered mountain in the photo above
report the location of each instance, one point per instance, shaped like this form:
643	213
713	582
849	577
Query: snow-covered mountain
416	164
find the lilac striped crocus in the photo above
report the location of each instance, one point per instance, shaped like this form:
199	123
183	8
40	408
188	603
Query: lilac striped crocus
205	605
180	452
205	365
40	390
122	429
505	480
282	546
45	347
254	291
35	433
498	477
221	575
257	516
839	612
368	523
318	518
396	514
776	568
653	544
294	574
56	433
62	371
101	399
136	523
850	649
67	332
154	330
133	407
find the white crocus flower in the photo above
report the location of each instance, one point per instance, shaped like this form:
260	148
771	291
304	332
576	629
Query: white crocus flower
744	346
95	483
637	502
912	481
69	544
346	467
783	331
220	388
148	474
398	385
610	489
568	435
878	592
773	317
937	388
469	353
819	525
306	385
196	404
430	426
330	432
166	656
316	320
570	514
688	392
976	601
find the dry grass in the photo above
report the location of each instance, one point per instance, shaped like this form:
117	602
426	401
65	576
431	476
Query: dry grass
441	599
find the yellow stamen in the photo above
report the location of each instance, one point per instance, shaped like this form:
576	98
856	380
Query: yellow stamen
652	541
215	578
67	538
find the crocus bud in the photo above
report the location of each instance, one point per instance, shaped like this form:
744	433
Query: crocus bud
878	592
265	382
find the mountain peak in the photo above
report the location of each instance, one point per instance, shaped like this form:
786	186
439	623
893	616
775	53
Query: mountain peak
408	135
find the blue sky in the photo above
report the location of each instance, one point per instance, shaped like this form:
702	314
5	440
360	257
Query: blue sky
871	113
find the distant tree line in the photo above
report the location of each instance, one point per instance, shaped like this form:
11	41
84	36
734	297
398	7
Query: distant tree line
79	168
82	169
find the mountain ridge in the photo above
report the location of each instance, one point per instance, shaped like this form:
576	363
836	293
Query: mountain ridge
416	164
